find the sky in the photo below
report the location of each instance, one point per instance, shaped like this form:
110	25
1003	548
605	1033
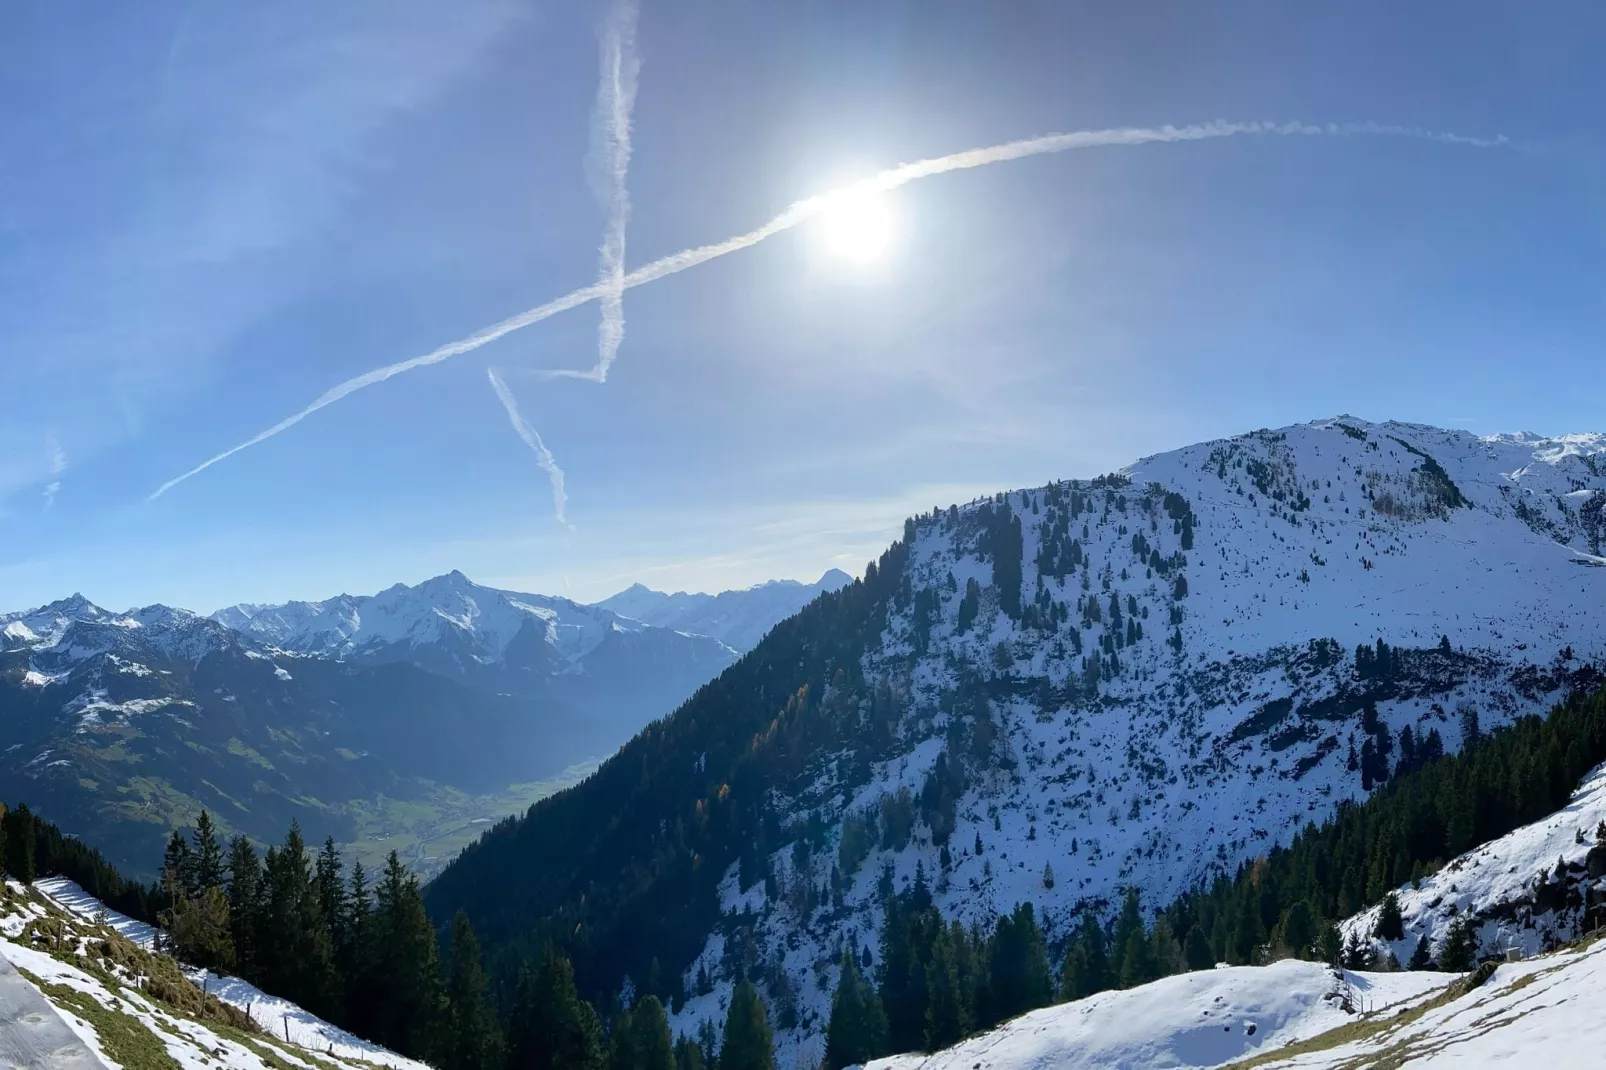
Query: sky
212	213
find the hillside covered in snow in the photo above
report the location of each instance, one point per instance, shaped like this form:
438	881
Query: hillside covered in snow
126	1003
1052	695
739	619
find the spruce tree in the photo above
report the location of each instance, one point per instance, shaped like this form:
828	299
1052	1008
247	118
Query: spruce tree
1390	925
208	854
550	1027
622	1041
1197	950
20	846
407	979
178	867
857	1031
1459	951
748	1044
653	1045
473	1041
948	1013
1086	968
1299	929
1422	957
245	905
1017	970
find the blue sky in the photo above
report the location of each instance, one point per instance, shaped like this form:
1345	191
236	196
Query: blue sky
211	213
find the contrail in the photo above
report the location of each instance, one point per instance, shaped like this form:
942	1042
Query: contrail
543	456
610	161
809	207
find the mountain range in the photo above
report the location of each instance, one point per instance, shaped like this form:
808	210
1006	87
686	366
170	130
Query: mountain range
1132	682
389	718
739	619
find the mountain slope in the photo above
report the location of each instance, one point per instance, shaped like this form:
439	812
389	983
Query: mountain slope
1140	680
739	619
100	971
1539	1012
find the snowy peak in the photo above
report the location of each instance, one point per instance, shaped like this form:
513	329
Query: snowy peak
479	623
738	618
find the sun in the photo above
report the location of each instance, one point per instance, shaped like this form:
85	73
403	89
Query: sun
857	226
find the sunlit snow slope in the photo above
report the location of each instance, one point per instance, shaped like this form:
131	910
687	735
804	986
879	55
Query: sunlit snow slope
1164	683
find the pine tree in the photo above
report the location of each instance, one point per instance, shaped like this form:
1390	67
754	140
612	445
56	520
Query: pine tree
473	1042
1459	951
948	1011
689	1055
1299	929
331	890
178	867
653	1045
199	931
207	859
293	941
1422	957
20	844
1017	968
622	1041
406	966
857	1031
550	1027
1086	968
748	1044
1330	946
1390	925
245	905
1197	952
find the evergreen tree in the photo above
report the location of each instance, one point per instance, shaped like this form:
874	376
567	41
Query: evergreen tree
1299	929
331	891
1422	957
178	867
207	858
1390	925
293	938
748	1044
1017	969
857	1031
689	1055
406	977
622	1041
1197	951
551	1028
1086	969
653	1045
1459	951
354	952
20	844
245	905
948	1009
472	1039
1330	946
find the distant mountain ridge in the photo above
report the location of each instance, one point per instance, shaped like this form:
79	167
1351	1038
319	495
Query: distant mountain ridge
738	618
119	724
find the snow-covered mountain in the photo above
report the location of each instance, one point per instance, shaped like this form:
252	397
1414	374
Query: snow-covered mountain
456	627
119	723
739	619
1133	681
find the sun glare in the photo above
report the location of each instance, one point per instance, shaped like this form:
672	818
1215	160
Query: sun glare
857	226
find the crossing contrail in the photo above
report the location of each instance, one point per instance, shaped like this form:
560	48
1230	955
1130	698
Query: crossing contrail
609	162
803	210
532	439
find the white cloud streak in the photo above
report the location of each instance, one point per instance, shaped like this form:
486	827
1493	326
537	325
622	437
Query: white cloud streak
610	162
532	439
58	465
803	210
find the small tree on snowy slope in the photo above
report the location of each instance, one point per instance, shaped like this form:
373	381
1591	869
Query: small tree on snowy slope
748	1044
1390	925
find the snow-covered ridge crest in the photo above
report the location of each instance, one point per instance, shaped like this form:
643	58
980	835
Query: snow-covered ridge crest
1156	679
480	622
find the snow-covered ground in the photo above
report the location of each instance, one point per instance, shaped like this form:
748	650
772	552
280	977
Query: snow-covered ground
1224	710
1202	1019
1540	1012
1500	886
279	1017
